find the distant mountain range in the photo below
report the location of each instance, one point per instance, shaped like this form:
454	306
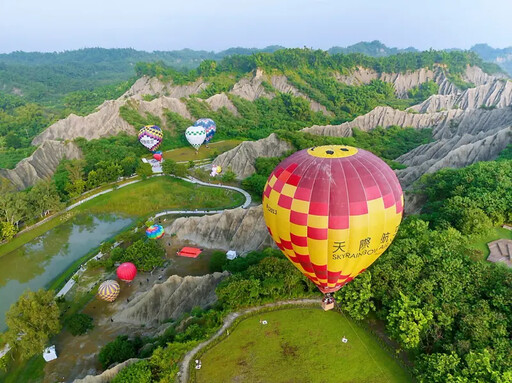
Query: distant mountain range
502	57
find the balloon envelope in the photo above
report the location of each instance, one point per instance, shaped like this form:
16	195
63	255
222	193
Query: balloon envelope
109	290
195	136
150	136
332	210
126	271
157	156
155	232
209	126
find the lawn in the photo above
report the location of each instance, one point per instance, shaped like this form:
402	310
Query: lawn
189	153
160	193
480	242
301	346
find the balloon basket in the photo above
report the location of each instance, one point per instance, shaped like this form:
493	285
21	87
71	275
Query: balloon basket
328	302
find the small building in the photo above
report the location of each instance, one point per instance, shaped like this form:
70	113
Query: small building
190	252
500	251
49	353
231	254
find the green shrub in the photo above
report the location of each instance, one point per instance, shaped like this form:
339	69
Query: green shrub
79	324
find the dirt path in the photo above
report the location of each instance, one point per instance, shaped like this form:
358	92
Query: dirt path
184	368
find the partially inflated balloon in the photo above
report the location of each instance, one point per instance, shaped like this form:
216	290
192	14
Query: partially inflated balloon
218	170
157	156
109	290
332	210
150	136
155	232
195	136
126	271
209	127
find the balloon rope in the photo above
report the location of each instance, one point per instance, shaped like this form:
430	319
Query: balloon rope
367	350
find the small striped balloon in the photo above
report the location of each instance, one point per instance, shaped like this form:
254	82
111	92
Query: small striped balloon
109	290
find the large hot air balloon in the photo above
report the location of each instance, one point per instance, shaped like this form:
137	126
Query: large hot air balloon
332	210
150	136
126	271
109	290
195	136
155	232
209	126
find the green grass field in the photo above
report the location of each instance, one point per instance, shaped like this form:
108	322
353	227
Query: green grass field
161	193
480	243
301	346
189	153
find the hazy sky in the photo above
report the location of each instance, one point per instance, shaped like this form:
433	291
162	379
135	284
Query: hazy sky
57	25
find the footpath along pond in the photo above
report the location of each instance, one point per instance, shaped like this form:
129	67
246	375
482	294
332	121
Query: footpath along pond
37	263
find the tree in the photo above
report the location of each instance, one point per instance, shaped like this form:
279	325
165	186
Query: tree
144	170
44	198
228	176
79	324
406	322
173	168
119	350
32	320
12	141
217	261
356	297
7	231
139	372
145	254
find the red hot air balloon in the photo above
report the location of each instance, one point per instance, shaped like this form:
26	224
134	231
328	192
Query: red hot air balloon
126	271
157	156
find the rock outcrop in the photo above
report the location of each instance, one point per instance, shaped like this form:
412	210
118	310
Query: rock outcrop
222	101
104	122
41	164
495	94
455	152
238	229
403	82
169	300
241	158
251	88
107	375
153	86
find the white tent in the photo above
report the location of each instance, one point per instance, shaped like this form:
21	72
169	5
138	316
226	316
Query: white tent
231	254
49	353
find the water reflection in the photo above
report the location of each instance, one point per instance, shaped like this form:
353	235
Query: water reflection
37	263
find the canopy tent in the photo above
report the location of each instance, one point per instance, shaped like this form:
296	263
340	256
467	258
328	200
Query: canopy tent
49	353
190	252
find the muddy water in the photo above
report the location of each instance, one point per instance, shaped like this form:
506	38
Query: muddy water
37	263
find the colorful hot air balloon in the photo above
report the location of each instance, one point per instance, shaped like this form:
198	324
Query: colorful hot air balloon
195	136
209	127
155	232
150	136
218	170
126	271
332	210
109	290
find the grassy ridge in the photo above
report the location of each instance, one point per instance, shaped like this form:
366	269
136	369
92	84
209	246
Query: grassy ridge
299	345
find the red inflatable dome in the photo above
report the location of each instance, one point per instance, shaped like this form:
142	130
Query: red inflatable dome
126	271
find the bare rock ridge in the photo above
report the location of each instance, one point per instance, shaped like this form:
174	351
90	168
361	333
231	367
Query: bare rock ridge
153	86
221	100
238	229
41	164
495	94
107	375
169	300
241	158
403	82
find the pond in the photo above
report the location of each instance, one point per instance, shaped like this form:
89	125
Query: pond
36	264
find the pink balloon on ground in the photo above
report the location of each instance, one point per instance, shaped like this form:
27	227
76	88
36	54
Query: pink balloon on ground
157	157
126	271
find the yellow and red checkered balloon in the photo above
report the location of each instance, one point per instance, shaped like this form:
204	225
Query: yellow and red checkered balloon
332	210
